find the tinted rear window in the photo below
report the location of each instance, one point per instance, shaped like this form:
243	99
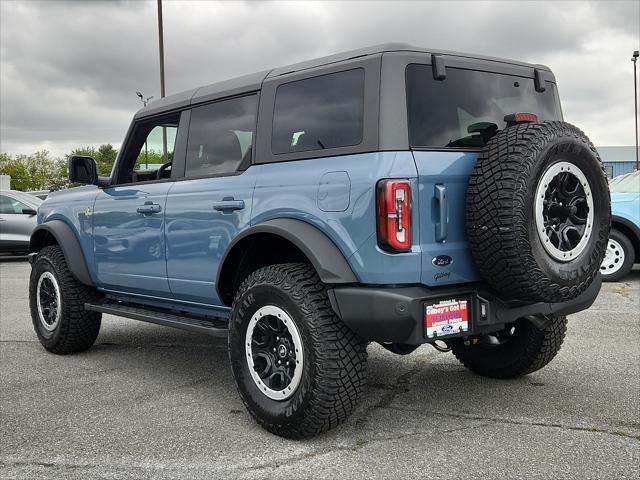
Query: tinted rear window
220	136
319	112
465	109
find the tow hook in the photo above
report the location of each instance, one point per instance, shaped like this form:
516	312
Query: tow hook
441	346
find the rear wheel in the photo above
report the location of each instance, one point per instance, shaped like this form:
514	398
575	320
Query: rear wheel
618	259
57	301
521	348
298	368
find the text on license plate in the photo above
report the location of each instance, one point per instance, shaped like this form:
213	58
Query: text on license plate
446	318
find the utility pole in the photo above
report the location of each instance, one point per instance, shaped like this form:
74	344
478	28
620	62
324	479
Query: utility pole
634	59
161	51
144	104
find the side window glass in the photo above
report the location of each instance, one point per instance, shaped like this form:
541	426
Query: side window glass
149	153
319	112
5	205
9	206
220	136
157	150
152	154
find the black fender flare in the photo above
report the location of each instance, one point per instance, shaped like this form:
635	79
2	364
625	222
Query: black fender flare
627	223
66	238
327	259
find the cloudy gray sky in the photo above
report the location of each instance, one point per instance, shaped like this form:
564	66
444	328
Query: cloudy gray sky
70	70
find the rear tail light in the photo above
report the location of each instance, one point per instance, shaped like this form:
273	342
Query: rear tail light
394	215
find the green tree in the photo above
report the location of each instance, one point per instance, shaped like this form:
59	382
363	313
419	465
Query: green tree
16	170
151	157
36	171
105	156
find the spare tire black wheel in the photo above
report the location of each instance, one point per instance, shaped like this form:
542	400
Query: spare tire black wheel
538	212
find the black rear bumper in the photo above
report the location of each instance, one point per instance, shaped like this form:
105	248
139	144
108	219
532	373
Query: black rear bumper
396	314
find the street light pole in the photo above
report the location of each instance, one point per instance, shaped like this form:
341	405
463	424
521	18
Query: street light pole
161	52
634	59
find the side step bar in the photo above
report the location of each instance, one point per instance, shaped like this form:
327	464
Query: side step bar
213	326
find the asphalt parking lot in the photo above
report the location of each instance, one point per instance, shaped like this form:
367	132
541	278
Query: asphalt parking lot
153	402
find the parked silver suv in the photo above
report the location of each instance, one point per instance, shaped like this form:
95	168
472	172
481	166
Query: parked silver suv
17	220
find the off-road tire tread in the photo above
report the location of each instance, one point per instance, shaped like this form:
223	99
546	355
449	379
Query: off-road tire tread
540	347
340	355
79	328
496	212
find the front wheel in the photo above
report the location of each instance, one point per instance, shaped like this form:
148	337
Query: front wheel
298	368
521	348
57	303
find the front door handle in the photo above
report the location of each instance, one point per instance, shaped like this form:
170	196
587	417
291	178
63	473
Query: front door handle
228	205
443	212
149	207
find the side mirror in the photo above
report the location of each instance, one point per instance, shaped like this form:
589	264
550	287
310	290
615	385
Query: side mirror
29	211
83	170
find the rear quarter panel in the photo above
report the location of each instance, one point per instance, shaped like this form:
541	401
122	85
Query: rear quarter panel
337	195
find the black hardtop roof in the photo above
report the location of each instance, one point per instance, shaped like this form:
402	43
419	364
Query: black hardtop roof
254	81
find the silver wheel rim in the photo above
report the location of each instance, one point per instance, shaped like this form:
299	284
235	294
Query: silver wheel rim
267	360
564	211
49	301
613	258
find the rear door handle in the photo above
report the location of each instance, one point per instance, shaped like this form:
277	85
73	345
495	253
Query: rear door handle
149	207
228	205
443	212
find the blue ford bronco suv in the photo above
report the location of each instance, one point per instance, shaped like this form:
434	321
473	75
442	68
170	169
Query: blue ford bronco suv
393	194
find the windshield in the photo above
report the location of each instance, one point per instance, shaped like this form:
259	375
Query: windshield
629	183
467	108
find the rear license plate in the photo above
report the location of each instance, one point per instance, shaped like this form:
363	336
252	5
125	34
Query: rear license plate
446	317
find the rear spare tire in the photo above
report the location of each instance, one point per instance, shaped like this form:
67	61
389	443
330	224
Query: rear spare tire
538	212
